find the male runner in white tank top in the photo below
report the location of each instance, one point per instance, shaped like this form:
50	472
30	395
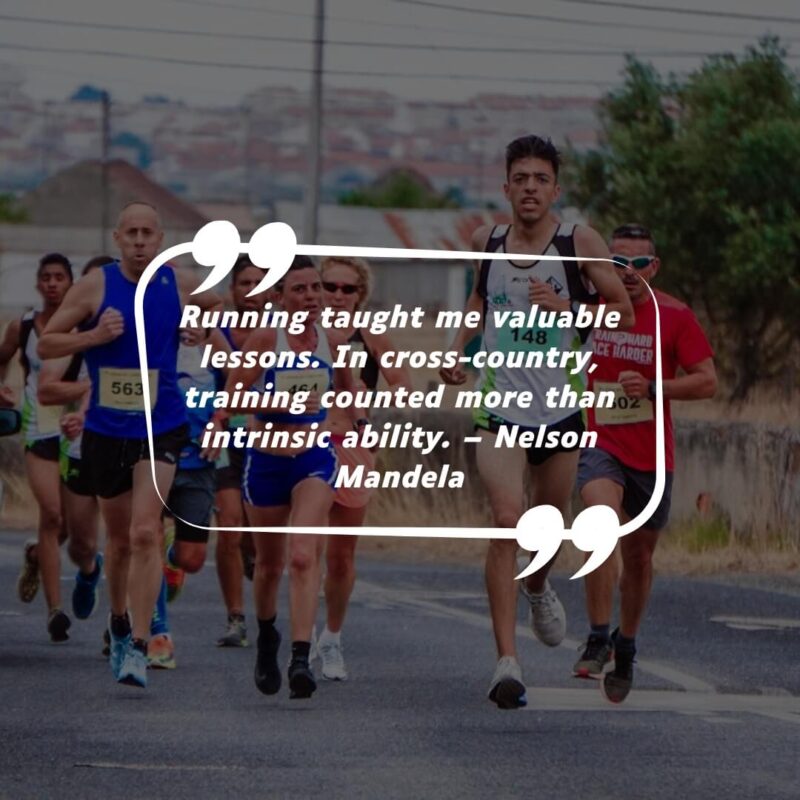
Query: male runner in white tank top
531	188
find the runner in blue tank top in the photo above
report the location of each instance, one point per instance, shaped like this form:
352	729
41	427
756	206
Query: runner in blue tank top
115	444
284	485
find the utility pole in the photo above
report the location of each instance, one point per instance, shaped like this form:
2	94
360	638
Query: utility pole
315	131
106	142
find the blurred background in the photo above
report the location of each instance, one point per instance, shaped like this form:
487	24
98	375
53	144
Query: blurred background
384	123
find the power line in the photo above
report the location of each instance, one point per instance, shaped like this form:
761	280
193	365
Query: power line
698	12
571	21
615	53
306	70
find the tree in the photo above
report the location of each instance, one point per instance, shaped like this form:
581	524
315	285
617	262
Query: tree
9	211
712	165
400	188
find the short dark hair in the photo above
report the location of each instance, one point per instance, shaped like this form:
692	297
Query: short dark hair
96	261
532	147
633	230
300	262
55	258
242	263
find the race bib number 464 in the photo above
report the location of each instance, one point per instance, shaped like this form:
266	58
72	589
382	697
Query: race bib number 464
121	389
301	380
625	409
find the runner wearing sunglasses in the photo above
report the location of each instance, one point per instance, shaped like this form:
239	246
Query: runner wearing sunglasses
620	471
347	283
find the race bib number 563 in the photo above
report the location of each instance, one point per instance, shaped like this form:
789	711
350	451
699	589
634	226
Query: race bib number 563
121	389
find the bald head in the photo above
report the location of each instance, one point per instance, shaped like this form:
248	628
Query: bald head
139	236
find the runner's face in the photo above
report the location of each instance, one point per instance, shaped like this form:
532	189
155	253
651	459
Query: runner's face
531	189
245	282
302	291
138	236
343	277
52	283
632	278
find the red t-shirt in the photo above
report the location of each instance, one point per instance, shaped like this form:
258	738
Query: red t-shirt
628	431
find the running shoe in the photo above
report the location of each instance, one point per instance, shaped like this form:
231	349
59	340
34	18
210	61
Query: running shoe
118	649
507	689
548	619
301	679
28	580
86	590
235	632
57	626
133	670
331	653
596	654
617	684
161	652
267	671
174	576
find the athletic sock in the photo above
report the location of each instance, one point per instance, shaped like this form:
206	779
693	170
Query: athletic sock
267	631
301	650
160	622
120	626
601	631
623	644
330	636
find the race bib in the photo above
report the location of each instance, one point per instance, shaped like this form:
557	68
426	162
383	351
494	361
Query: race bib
301	380
511	340
625	409
121	389
48	419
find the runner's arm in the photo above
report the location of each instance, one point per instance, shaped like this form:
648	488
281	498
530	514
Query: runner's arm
8	346
396	377
81	302
53	390
699	383
187	282
590	244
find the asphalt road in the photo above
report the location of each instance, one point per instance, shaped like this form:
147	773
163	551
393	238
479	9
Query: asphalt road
715	711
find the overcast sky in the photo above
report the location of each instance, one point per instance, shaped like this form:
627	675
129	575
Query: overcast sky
501	52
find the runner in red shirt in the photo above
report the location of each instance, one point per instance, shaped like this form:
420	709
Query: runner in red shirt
620	471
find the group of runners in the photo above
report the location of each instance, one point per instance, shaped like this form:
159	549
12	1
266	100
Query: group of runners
87	455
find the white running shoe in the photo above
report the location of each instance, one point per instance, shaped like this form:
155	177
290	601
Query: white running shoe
331	652
548	619
507	688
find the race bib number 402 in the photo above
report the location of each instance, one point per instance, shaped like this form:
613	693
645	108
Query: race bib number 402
625	409
121	389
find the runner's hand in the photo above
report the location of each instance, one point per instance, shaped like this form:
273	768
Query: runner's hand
454	376
212	453
72	424
634	384
313	403
193	336
110	325
543	295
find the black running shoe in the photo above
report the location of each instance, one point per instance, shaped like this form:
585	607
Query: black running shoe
267	672
301	679
596	654
617	683
57	626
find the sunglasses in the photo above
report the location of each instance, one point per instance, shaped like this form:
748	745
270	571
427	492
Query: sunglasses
346	288
639	262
